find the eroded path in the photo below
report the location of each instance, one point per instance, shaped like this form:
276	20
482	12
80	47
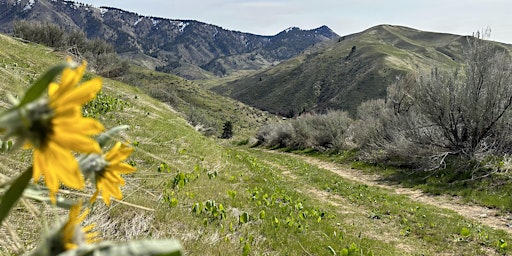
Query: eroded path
484	215
487	216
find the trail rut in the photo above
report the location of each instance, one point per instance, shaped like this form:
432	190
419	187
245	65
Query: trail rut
484	215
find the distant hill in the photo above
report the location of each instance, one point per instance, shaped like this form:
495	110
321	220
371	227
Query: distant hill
189	48
343	74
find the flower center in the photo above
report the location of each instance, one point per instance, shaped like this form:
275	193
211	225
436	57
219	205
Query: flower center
39	116
93	163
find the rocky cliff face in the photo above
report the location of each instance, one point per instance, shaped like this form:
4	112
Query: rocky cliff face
175	43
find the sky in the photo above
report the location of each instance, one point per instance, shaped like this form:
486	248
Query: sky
269	17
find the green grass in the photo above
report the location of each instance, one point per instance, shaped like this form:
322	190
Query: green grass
271	204
199	106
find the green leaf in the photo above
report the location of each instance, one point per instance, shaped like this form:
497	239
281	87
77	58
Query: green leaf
144	247
107	136
262	214
174	201
14	193
465	232
244	218
246	250
40	86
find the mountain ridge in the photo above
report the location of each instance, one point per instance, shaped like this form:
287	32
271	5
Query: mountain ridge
174	43
356	68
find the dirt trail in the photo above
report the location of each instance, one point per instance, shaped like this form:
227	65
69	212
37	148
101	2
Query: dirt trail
484	215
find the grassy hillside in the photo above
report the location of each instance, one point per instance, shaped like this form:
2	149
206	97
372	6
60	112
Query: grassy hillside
205	110
357	68
234	201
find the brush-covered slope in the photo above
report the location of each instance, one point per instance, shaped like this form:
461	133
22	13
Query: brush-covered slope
358	67
174	46
205	110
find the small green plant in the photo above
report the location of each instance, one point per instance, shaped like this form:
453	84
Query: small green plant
211	209
163	167
212	175
232	194
227	130
352	250
262	214
181	179
171	201
103	104
465	232
243	218
502	245
5	146
247	249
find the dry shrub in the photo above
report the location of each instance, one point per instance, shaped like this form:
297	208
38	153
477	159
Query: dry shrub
275	135
324	132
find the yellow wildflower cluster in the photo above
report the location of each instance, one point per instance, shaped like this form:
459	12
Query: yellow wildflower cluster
54	127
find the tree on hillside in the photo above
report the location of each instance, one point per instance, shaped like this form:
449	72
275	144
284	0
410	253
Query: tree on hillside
227	130
467	109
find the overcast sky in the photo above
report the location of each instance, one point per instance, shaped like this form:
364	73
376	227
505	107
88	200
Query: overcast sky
269	17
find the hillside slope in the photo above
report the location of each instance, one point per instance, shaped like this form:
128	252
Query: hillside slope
172	45
205	110
357	68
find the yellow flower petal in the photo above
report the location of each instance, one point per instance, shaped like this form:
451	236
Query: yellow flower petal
113	151
38	165
78	143
89	227
52	88
94	196
86	126
62	163
109	179
112	177
82	94
41	165
123	168
71	236
113	190
118	153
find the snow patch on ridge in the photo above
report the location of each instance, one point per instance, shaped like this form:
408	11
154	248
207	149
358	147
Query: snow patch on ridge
103	11
29	5
76	5
180	24
290	29
155	21
138	21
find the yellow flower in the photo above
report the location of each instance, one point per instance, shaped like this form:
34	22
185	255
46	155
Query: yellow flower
108	177
56	127
71	235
